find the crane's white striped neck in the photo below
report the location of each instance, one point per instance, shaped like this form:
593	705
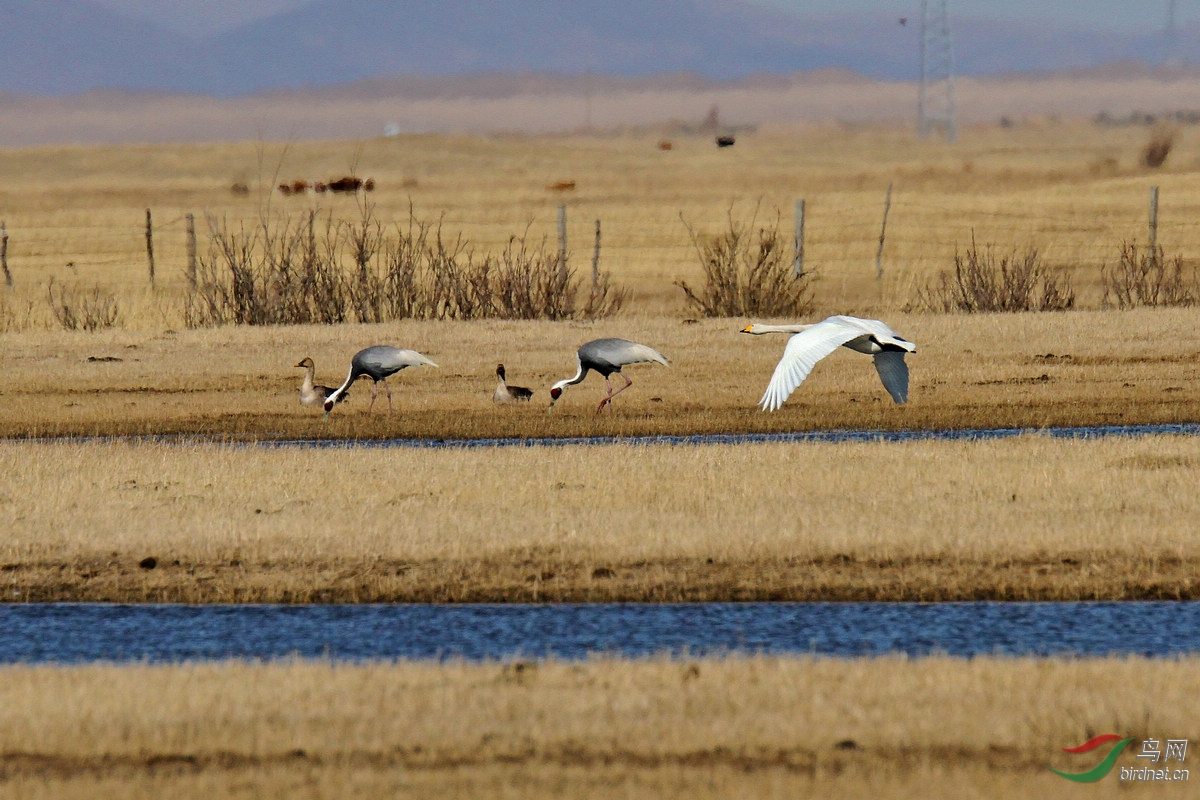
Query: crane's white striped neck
557	389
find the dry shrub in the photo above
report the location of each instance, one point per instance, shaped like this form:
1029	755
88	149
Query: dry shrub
747	273
76	308
1155	153
15	316
983	282
1146	278
284	272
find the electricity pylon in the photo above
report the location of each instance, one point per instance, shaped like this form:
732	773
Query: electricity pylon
935	102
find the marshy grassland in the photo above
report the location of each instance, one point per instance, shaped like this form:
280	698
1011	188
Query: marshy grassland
969	371
217	514
927	520
1032	518
745	726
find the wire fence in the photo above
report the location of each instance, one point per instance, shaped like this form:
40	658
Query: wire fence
841	234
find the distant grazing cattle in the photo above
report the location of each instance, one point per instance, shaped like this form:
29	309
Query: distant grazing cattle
725	141
562	186
664	144
348	184
240	189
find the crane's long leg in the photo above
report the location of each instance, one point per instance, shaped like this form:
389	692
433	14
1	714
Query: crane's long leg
611	394
374	391
389	394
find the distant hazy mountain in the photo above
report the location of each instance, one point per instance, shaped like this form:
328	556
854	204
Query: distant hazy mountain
56	46
66	46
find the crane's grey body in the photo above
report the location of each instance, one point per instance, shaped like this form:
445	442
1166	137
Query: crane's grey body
377	362
607	356
811	343
314	394
509	394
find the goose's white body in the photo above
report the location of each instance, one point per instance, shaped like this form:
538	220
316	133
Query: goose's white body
509	394
810	343
314	394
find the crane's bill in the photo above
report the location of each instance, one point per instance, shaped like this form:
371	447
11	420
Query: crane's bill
893	371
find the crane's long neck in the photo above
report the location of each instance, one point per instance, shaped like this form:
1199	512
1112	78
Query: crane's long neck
580	374
332	398
557	389
759	328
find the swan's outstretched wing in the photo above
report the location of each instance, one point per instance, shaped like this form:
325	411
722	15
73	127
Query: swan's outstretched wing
894	373
802	353
879	331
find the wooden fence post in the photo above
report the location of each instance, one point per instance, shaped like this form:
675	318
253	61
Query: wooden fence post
150	244
191	249
798	253
1154	223
4	255
596	257
887	205
562	238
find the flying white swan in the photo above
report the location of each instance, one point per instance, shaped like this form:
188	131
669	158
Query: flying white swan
813	342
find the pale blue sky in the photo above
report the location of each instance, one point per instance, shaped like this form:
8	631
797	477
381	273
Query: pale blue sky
204	16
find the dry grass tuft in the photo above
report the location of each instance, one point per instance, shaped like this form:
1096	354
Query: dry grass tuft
79	309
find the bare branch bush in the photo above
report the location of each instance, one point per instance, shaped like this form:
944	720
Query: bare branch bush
748	272
76	308
1146	278
285	272
984	282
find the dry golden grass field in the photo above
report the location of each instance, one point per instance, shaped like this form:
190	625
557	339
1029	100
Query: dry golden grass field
362	520
1070	188
739	727
1023	519
228	521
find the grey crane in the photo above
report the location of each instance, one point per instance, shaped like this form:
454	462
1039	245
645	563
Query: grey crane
314	394
607	356
377	362
813	342
509	394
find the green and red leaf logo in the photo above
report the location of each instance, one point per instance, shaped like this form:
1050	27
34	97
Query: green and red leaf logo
1104	767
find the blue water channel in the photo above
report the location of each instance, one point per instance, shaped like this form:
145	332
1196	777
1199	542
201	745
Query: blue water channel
829	436
76	633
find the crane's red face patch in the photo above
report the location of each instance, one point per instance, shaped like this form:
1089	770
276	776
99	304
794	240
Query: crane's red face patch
328	405
555	394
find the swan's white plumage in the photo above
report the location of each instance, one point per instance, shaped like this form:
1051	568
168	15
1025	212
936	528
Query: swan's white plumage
811	343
